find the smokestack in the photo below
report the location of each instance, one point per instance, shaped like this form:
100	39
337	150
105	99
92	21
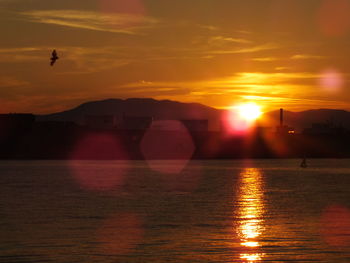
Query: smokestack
281	117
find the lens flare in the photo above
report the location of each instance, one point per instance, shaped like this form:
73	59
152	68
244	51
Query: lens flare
169	141
99	175
239	119
331	81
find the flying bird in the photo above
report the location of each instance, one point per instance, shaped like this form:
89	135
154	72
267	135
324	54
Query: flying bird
54	57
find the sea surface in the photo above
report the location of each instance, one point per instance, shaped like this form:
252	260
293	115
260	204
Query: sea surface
174	211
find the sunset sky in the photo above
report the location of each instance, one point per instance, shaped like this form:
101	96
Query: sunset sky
276	53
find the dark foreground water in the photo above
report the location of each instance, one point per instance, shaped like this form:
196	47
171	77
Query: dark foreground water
212	211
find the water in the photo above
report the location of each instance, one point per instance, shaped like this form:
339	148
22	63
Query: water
213	211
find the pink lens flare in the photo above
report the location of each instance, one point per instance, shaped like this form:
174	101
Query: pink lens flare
333	17
120	234
99	175
170	142
335	226
331	81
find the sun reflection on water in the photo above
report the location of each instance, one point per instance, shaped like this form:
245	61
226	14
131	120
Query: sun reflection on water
250	213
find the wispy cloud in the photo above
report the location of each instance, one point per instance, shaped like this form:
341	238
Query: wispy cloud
266	59
19	49
295	104
245	32
9	82
84	60
267	88
89	60
307	56
252	49
281	68
81	60
220	40
91	20
10	55
254	82
208	27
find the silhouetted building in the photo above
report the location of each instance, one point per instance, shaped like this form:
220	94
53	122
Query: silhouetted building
13	126
327	128
263	130
281	117
55	125
136	123
100	121
196	125
284	129
167	125
18	121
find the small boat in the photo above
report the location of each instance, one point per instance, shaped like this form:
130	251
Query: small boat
303	163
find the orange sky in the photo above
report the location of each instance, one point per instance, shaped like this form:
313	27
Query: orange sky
291	53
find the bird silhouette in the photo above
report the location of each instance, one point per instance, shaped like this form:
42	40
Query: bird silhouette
54	57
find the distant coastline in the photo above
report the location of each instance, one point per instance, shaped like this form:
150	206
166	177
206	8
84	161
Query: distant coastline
136	129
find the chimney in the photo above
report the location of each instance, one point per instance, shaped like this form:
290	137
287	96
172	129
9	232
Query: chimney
281	117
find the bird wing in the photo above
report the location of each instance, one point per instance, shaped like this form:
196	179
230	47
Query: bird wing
54	54
54	57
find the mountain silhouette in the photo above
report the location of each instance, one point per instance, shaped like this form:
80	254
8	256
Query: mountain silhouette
167	109
305	119
158	109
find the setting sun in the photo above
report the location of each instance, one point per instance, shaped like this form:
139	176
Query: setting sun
241	118
249	111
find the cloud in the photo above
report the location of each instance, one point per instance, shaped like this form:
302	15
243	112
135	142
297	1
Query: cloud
8	82
281	68
295	104
268	88
79	60
14	55
20	49
11	88
91	20
220	40
208	27
267	59
90	59
305	56
251	82
252	49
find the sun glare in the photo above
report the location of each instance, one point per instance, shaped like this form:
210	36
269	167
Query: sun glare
249	111
241	118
